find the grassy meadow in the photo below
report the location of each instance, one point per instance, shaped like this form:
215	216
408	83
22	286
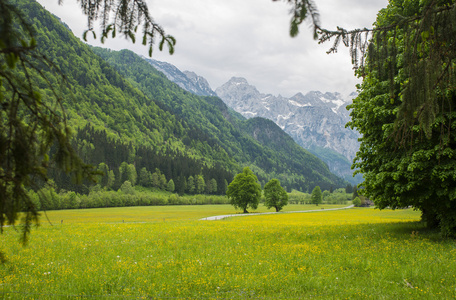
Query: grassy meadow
167	252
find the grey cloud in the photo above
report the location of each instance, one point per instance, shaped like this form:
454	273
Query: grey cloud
221	39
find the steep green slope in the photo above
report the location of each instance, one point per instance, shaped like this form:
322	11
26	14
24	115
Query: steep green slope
124	112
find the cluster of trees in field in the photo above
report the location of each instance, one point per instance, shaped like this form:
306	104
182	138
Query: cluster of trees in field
274	196
153	189
337	196
245	192
48	198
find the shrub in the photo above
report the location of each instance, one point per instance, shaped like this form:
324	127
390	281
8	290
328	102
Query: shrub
356	202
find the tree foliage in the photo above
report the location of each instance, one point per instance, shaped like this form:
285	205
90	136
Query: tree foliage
29	125
316	196
356	202
301	11
275	196
244	191
170	187
125	16
421	172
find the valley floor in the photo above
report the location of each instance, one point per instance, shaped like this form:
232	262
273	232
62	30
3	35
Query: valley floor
167	253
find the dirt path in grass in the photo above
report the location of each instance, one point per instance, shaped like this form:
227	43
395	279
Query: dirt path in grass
214	218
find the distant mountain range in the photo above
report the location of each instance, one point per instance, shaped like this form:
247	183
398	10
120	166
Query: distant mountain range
316	121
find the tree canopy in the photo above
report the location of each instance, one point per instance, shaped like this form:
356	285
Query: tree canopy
420	172
124	17
244	191
316	196
275	196
29	125
415	38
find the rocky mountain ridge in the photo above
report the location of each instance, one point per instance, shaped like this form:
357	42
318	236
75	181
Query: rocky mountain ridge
314	119
187	80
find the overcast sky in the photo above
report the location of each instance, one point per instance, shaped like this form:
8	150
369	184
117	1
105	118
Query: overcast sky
247	38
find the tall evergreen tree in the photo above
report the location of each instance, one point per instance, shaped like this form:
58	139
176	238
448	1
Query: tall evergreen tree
123	172
214	186
155	179
132	176
144	177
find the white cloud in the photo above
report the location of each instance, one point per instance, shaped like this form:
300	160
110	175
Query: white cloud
221	39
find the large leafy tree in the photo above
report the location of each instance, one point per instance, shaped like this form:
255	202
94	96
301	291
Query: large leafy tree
244	191
275	196
408	150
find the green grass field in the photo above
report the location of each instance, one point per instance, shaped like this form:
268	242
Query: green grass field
166	252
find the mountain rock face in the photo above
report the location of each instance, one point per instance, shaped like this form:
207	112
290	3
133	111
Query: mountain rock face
187	80
200	83
316	121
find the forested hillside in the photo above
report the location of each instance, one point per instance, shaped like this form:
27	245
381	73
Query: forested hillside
136	125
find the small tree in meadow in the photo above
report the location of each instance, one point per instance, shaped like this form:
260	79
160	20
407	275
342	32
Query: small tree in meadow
316	196
244	191
275	196
356	202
